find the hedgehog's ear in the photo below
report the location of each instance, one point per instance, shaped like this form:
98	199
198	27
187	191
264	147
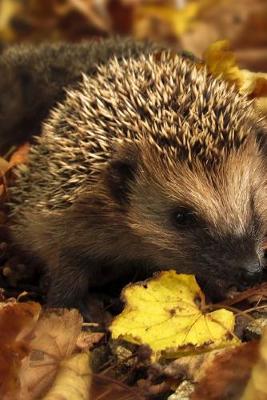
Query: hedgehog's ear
121	172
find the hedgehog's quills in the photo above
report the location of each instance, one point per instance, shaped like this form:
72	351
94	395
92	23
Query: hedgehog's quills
150	163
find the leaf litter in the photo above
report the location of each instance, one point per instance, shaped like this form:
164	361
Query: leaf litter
46	354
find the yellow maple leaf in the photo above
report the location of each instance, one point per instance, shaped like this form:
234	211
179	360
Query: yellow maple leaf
220	61
166	314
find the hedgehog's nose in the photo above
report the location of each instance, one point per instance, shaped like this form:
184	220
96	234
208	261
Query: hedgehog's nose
251	273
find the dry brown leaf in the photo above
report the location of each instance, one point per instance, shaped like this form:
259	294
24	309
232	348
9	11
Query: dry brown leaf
227	376
17	320
20	156
192	367
257	386
86	340
4	167
54	341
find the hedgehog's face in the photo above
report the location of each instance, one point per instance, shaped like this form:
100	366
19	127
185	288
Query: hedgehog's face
210	223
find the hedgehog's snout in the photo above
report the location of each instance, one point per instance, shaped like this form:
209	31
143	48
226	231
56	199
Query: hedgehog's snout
251	273
247	275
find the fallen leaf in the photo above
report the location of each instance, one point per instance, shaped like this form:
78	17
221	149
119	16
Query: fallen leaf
166	314
86	340
226	377
4	167
256	388
17	320
192	367
221	61
54	341
73	380
20	155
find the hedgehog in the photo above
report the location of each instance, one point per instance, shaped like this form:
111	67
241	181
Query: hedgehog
149	163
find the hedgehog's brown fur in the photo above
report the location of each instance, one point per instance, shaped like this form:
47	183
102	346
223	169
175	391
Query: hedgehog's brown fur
135	144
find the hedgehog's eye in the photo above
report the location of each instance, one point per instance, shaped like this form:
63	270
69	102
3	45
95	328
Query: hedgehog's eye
184	217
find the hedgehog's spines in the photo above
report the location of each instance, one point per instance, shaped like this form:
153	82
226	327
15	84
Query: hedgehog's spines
161	99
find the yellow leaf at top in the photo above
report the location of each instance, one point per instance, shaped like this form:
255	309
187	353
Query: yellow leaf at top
220	61
166	314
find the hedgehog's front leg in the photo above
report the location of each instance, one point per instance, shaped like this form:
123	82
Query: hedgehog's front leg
69	284
54	243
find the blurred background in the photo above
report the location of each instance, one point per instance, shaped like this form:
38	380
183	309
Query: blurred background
191	25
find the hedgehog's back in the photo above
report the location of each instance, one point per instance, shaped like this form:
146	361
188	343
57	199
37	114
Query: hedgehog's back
162	98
